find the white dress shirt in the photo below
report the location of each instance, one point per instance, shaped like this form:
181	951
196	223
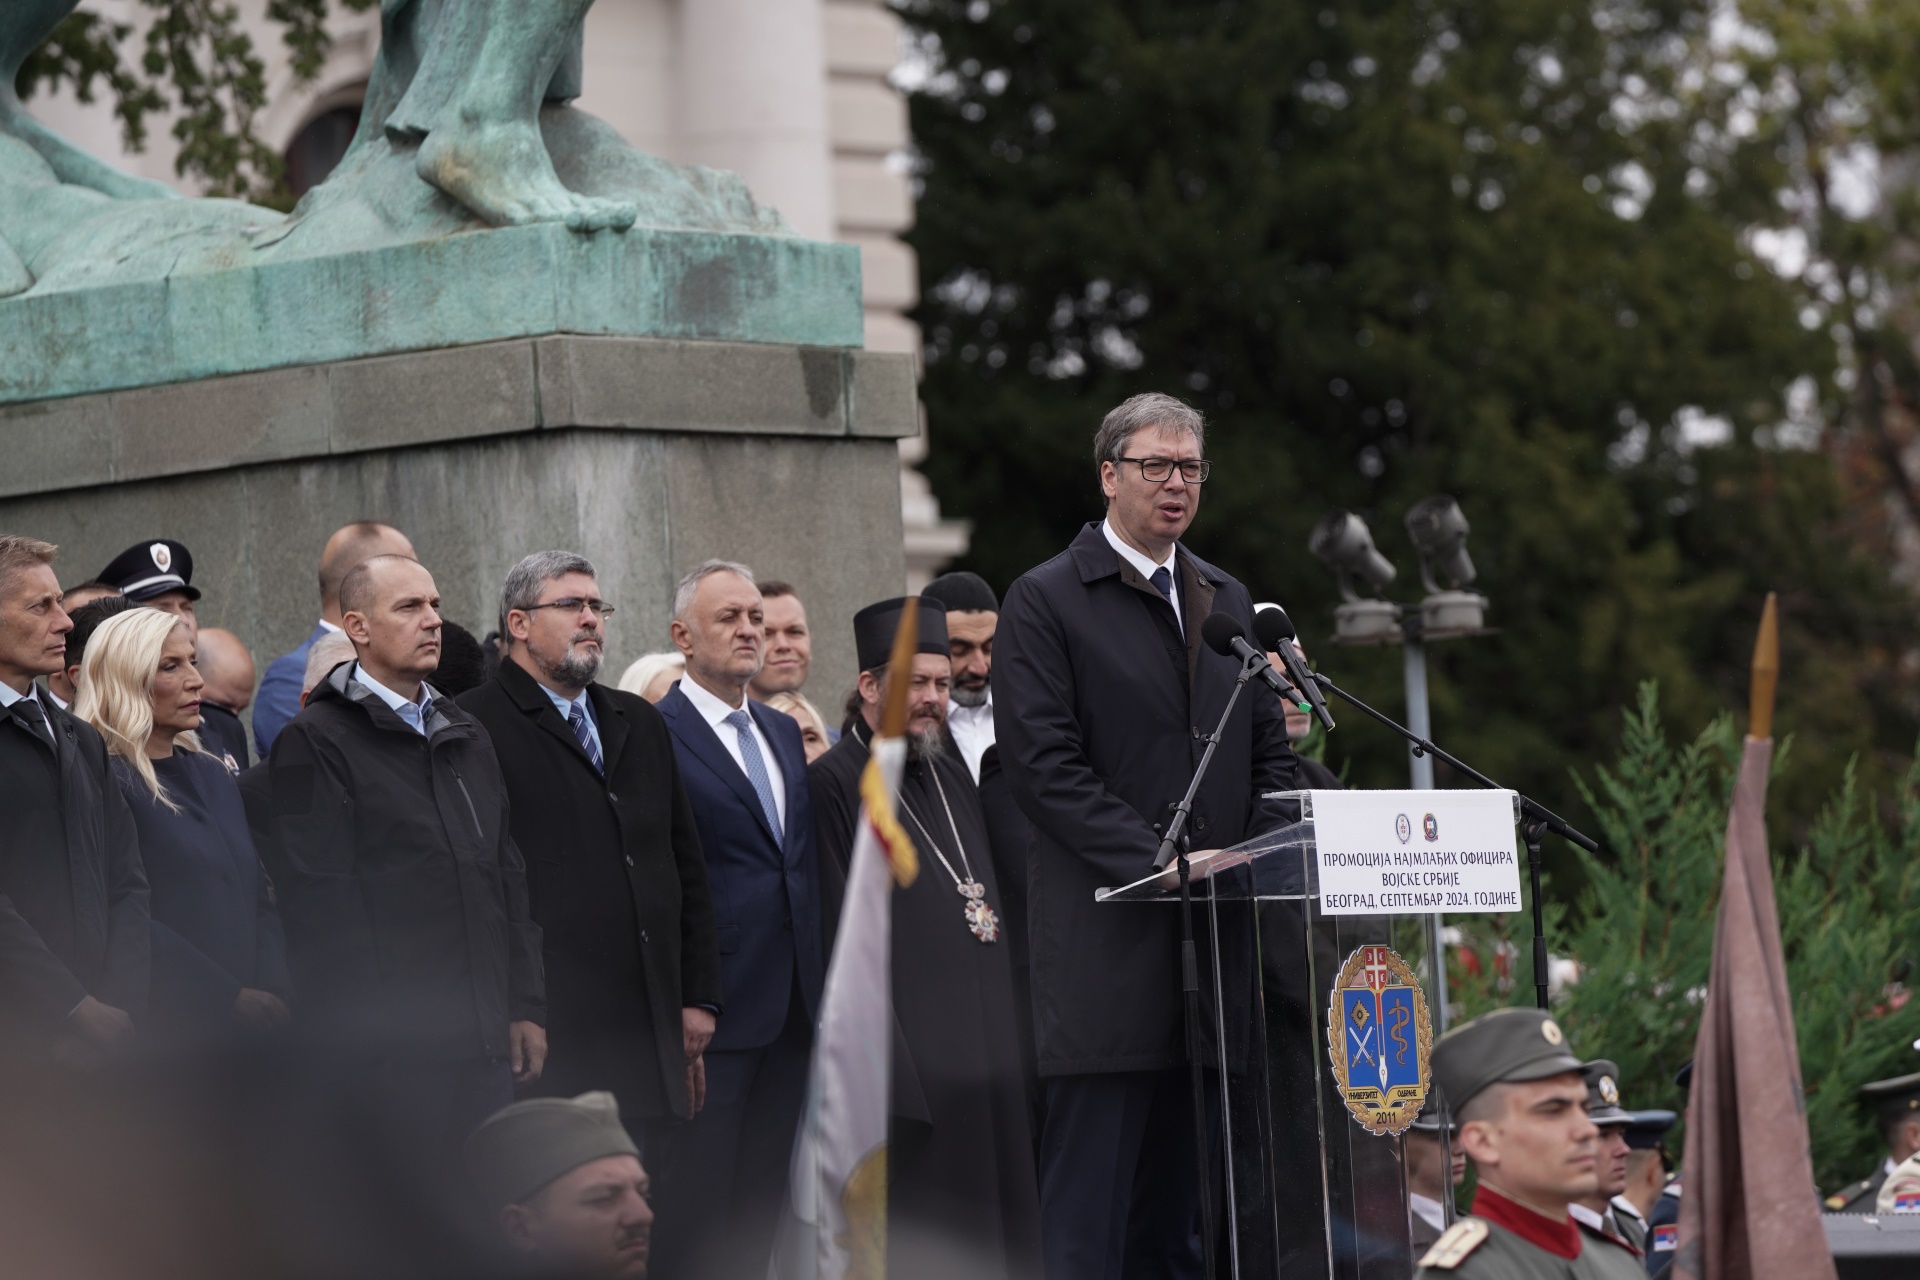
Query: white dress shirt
972	729
406	708
1429	1210
715	713
1145	567
10	695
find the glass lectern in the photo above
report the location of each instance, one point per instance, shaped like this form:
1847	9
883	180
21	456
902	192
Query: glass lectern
1306	1186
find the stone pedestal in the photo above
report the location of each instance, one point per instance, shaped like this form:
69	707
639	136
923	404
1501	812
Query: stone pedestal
647	455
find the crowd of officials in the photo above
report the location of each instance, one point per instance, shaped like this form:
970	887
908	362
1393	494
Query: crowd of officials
572	934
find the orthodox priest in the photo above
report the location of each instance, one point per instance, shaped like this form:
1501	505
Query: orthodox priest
962	1201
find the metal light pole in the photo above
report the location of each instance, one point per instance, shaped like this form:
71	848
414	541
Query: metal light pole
1439	531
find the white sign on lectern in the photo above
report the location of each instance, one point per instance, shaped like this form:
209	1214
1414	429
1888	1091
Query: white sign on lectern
1390	852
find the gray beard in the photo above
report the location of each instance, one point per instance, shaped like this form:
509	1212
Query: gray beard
928	747
970	697
573	670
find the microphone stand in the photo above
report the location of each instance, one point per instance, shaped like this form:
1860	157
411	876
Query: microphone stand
1536	821
1173	847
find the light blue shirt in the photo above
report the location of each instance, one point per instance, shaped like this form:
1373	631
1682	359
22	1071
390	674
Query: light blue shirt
565	707
9	695
412	712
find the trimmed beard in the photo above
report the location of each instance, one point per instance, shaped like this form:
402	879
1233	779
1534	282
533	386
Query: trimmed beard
965	697
574	670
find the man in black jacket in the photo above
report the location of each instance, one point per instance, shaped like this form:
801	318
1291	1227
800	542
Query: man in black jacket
403	894
74	944
614	869
1104	695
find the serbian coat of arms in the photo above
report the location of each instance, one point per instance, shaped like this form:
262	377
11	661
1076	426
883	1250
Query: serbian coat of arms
1380	1039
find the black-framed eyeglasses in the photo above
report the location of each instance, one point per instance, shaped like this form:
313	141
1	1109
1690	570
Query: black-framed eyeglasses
1157	470
573	604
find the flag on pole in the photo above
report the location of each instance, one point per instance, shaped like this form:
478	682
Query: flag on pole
1750	1211
836	1228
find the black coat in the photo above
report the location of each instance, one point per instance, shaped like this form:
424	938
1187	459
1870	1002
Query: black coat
223	735
214	929
961	1199
73	892
403	895
618	887
1099	714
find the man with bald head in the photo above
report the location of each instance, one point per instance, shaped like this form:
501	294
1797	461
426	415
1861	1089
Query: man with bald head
350	545
403	894
227	667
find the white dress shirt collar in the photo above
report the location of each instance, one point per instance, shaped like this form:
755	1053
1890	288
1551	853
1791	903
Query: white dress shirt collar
972	730
1145	568
9	695
1429	1210
707	703
328	626
1585	1215
715	713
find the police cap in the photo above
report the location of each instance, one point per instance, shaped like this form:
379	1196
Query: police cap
1893	1100
1507	1046
148	569
1647	1130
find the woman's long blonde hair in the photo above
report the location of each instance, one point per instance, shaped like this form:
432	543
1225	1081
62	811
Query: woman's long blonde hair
116	689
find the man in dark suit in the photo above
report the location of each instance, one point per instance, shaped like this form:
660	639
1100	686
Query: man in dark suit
1104	693
745	770
74	943
614	870
279	699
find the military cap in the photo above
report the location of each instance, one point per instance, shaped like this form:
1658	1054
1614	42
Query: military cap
149	569
962	592
1507	1046
1428	1121
1603	1094
1647	1130
875	625
1893	1099
521	1148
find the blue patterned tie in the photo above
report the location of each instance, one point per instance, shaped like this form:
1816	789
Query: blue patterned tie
577	717
757	771
1163	583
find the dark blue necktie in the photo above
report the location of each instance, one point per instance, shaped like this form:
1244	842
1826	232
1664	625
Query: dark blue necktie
33	719
1163	583
577	717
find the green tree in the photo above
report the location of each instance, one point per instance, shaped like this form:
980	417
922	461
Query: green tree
1849	901
1395	247
197	61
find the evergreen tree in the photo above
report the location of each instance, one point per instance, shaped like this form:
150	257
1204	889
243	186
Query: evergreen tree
1397	247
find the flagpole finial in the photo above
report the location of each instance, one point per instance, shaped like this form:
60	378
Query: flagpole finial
1766	671
906	642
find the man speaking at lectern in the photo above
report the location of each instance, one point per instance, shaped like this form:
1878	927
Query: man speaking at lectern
1104	692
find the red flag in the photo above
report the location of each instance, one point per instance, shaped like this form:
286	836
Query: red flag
1749	1210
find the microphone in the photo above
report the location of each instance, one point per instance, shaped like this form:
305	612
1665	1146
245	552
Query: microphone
1276	632
1229	639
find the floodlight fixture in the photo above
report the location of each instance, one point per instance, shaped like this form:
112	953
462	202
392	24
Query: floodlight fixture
1343	542
1439	531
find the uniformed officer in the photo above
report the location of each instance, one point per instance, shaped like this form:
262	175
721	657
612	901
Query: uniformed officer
1595	1213
1435	1166
1520	1098
159	574
1897	1105
1663	1224
1647	1168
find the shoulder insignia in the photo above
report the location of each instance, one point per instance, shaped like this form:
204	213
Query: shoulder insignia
1452	1248
1839	1200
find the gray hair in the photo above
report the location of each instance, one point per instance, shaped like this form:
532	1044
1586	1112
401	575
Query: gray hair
683	594
521	590
1137	413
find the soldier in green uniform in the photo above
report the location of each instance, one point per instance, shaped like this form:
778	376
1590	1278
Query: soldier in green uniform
1897	1102
1595	1213
1519	1096
1647	1168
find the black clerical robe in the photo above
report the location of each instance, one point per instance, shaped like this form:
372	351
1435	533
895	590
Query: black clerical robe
962	1200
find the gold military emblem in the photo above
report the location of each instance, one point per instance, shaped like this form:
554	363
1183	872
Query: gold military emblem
1380	1040
1551	1030
1609	1091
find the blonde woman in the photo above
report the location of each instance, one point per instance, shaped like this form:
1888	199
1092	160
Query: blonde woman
653	675
813	727
219	959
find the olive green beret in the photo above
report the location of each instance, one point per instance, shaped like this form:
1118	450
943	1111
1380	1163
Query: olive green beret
1506	1046
521	1148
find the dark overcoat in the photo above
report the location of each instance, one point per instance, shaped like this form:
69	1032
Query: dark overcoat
73	890
766	895
618	887
1100	711
403	895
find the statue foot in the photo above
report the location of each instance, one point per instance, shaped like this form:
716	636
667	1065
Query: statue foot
502	172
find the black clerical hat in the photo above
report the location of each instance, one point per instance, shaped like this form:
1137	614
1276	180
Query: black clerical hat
875	625
962	592
148	569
